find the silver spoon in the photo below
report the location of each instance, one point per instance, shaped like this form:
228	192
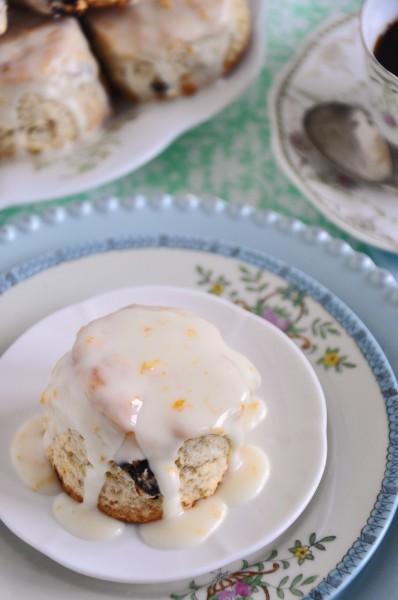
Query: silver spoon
347	137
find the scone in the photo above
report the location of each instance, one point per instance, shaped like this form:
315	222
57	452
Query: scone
144	414
167	48
50	91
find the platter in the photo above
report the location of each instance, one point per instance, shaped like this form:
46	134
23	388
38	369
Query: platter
296	412
323	542
132	137
330	66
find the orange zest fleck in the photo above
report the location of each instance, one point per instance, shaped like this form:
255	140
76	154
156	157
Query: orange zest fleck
96	380
148	365
180	404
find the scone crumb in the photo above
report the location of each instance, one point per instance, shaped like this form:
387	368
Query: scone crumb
191	332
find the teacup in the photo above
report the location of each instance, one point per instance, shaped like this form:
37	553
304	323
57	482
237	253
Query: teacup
376	18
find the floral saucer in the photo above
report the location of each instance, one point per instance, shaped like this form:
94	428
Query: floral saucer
330	66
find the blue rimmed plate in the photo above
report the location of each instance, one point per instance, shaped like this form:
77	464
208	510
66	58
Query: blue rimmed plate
350	512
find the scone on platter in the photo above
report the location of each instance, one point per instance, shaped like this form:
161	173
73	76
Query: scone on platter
167	48
144	414
51	94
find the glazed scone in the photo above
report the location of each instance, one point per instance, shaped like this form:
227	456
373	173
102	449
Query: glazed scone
144	414
50	91
167	48
130	491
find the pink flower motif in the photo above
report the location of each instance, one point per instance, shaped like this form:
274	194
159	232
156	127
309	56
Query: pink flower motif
345	181
243	589
273	317
226	595
389	120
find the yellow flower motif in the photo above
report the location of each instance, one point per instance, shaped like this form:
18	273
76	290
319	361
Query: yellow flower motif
301	551
331	359
217	289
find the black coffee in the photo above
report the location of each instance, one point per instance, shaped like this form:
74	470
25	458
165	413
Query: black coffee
386	48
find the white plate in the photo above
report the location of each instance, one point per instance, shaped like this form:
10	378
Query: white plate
296	417
132	138
353	506
330	66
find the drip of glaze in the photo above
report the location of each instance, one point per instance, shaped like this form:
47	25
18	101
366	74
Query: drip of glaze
29	460
85	522
188	529
197	524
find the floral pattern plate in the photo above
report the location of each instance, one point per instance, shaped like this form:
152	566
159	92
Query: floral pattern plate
132	137
353	505
330	66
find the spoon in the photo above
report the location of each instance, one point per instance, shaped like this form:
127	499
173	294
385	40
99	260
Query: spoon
347	137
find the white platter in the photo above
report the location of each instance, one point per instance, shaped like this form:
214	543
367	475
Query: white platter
296	416
132	137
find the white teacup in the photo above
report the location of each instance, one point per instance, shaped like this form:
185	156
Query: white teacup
376	16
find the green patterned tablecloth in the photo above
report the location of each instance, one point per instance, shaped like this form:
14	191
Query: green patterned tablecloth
231	155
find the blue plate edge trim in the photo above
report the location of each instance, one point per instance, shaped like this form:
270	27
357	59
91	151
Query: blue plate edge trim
380	518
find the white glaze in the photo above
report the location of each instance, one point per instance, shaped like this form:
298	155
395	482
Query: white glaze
160	373
29	460
48	57
85	523
167	38
186	530
195	525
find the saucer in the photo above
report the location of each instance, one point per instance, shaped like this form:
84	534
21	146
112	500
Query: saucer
330	66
